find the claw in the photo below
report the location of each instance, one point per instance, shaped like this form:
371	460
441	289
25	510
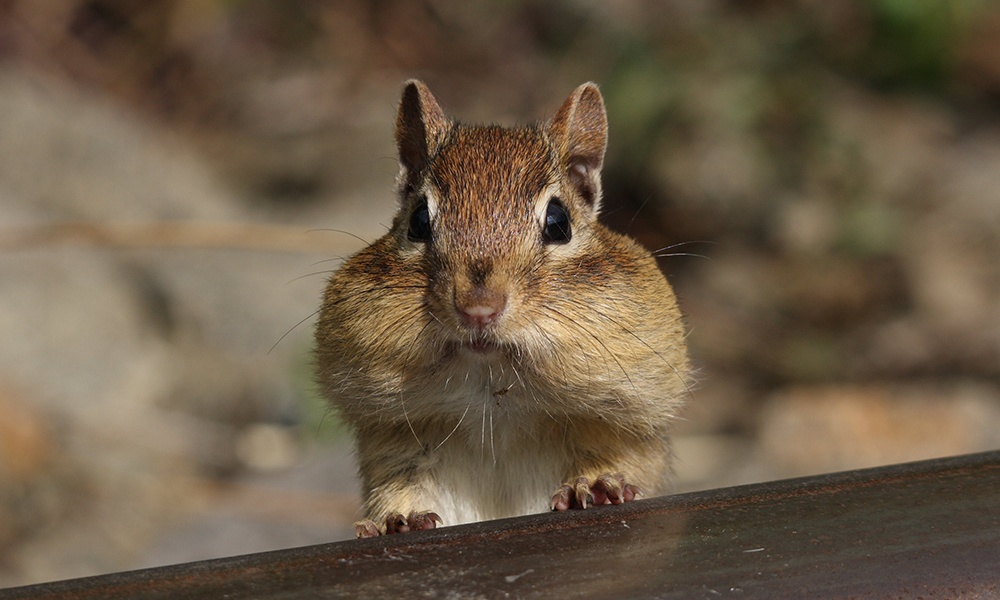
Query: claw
560	499
396	524
608	488
583	496
366	529
631	492
420	521
417	521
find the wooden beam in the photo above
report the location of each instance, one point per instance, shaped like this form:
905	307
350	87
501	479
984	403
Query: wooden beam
929	529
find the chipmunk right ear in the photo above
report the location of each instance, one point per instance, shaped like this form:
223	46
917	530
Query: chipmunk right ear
420	128
580	133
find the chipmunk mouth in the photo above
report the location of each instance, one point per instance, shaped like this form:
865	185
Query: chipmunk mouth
479	343
480	346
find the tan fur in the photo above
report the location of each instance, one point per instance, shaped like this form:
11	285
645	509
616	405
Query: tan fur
588	366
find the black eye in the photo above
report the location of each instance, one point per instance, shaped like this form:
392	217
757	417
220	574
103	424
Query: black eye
557	229
420	223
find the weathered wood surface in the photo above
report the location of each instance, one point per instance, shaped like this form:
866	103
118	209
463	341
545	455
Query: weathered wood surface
929	529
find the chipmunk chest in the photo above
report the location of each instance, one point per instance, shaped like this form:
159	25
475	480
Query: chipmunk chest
493	454
498	471
473	389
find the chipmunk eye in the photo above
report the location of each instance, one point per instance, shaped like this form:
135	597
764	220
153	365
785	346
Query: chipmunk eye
557	229
420	223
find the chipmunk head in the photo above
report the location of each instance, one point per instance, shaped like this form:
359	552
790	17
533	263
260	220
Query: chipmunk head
486	211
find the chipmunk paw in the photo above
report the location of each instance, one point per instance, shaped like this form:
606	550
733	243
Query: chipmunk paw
416	521
608	488
397	523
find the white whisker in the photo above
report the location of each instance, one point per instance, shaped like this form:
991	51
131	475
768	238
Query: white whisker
493	449
454	429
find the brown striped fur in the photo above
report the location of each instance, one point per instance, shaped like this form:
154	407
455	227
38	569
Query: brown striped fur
581	373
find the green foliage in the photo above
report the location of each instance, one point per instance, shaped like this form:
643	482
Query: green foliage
912	44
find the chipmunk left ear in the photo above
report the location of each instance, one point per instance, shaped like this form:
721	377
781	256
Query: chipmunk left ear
420	128
580	133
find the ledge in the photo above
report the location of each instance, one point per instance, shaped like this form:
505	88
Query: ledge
929	529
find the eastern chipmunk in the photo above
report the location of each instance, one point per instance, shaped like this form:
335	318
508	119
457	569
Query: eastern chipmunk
499	352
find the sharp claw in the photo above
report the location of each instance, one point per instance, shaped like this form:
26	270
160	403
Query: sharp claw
366	529
560	499
632	492
422	521
608	488
612	487
583	495
416	521
396	523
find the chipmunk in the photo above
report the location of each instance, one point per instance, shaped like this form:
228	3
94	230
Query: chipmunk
499	352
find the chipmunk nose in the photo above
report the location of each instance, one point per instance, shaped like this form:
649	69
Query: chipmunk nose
480	307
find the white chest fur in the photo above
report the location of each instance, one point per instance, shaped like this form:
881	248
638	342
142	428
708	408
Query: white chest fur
506	474
498	461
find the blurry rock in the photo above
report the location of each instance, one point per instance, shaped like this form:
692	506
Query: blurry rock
820	429
710	461
26	450
719	402
108	340
26	440
787	319
42	487
964	209
268	447
948	254
806	225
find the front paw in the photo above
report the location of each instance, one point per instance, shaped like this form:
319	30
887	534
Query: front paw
397	523
609	488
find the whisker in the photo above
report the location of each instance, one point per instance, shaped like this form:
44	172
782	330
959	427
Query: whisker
413	317
639	210
576	340
308	275
600	342
398	325
482	441
353	235
409	424
632	333
671	254
493	449
294	327
530	390
679	244
319	426
372	290
610	319
327	260
457	425
394	329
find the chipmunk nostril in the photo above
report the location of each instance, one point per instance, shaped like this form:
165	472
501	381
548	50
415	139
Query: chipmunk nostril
480	308
479	315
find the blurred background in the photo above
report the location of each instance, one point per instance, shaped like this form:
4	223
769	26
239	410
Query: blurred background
178	176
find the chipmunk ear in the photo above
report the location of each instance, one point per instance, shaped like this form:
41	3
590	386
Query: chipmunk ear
420	128
580	134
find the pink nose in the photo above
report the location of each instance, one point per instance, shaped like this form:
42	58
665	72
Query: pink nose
480	315
481	309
